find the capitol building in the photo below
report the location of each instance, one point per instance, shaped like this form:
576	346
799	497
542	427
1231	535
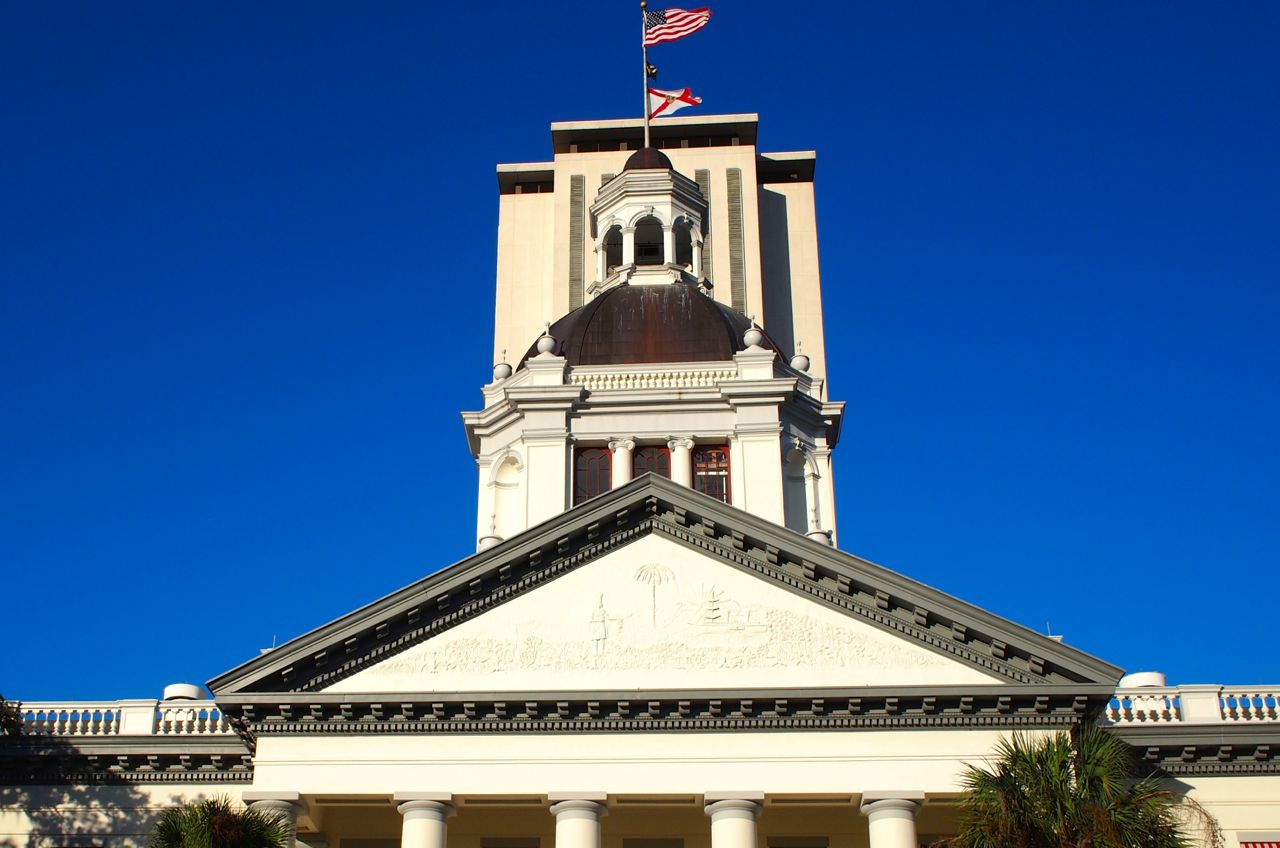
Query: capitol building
661	640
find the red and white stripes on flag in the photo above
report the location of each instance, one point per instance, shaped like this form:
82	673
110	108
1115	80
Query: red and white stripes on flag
665	102
671	24
1260	845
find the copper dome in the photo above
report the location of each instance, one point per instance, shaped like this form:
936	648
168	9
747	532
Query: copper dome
640	324
647	158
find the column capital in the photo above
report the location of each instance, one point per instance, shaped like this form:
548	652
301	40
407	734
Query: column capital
680	443
626	444
737	807
566	806
890	805
437	806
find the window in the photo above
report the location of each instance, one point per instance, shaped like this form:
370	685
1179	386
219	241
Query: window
648	242
592	473
684	243
653	460
711	471
612	249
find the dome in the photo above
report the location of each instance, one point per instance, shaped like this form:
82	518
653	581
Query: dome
647	158
640	324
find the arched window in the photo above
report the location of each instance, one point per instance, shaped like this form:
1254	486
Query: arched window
653	460
684	243
613	249
649	241
592	473
711	471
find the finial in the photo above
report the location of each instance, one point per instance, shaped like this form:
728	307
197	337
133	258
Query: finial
752	337
546	343
800	362
502	370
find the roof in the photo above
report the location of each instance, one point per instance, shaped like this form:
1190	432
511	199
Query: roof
1030	662
673	322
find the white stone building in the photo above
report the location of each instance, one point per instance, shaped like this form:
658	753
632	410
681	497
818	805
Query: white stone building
659	643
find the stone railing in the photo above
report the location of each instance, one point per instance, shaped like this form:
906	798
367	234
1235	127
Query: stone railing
1201	704
124	718
615	378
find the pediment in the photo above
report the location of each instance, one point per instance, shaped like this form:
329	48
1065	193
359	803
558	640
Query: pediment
656	586
656	614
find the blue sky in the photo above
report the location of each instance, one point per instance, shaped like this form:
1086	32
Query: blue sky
246	269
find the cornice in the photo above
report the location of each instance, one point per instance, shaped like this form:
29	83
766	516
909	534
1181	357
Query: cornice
922	708
1205	750
42	760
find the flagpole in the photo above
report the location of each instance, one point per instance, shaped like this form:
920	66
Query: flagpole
644	54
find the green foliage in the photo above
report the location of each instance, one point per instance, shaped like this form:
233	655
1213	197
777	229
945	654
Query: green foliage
1075	791
10	717
216	823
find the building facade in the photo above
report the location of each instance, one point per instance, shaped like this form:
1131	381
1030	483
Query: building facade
658	642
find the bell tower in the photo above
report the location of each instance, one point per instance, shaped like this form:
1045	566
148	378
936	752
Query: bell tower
661	298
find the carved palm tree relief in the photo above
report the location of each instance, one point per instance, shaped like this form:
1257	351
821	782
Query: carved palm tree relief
655	574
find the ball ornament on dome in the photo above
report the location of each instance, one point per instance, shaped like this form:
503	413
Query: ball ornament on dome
753	336
546	343
800	362
502	370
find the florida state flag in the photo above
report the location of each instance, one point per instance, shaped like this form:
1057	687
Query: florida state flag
665	102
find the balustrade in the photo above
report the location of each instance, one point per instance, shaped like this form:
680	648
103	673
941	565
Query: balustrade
124	718
1193	705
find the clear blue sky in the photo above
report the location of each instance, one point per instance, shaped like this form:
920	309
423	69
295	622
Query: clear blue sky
246	274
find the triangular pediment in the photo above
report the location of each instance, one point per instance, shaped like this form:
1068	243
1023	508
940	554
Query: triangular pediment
654	586
656	614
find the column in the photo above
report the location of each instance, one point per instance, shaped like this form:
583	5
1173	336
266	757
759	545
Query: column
733	818
628	245
601	259
681	461
424	815
668	245
621	450
287	805
578	817
696	270
891	818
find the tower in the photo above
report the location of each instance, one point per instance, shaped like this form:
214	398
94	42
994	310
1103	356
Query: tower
658	311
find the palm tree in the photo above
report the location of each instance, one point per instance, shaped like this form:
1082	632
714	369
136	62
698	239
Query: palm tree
216	823
10	718
1074	791
655	574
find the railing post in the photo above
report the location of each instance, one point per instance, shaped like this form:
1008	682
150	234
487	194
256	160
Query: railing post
1201	703
138	718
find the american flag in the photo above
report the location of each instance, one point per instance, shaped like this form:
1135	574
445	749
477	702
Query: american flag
672	24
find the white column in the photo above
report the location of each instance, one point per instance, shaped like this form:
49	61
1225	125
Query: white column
628	245
891	818
621	450
668	245
577	818
425	815
681	461
733	818
696	270
285	804
601	260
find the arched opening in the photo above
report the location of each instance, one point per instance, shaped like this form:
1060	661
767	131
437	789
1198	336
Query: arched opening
795	495
508	500
683	232
651	460
613	249
649	241
592	473
711	471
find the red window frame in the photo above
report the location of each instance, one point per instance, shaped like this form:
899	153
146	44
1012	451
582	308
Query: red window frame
592	473
651	459
711	471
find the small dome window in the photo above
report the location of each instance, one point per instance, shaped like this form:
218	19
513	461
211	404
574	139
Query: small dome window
649	241
684	243
613	249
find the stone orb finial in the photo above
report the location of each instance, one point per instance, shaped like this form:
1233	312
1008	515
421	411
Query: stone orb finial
546	342
182	692
800	362
752	337
502	370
